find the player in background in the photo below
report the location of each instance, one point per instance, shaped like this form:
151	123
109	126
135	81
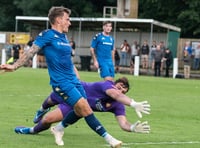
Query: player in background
102	52
63	79
104	96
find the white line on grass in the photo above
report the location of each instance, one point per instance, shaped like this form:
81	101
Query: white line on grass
127	145
164	143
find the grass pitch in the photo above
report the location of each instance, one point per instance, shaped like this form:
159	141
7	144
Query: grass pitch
174	118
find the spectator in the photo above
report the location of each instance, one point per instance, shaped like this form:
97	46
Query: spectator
196	57
124	50
158	57
153	49
162	48
73	45
16	51
168	58
117	61
187	53
134	52
144	52
8	49
27	47
102	52
30	42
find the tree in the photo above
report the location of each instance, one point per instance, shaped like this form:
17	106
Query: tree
182	13
7	15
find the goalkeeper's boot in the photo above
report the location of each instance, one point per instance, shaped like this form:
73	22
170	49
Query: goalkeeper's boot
114	143
39	115
58	136
22	130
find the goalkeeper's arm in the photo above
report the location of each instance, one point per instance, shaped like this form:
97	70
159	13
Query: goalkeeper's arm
140	107
137	127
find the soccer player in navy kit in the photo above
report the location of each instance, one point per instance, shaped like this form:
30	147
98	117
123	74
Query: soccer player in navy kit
102	52
63	79
103	96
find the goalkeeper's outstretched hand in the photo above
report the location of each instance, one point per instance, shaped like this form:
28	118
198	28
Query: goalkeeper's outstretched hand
140	127
141	107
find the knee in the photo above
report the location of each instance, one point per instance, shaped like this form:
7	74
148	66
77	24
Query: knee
47	119
82	108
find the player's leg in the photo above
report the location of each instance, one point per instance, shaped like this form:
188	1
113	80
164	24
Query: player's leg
51	117
82	109
107	70
52	100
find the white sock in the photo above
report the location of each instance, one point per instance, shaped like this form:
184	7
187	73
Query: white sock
31	130
59	127
41	108
107	137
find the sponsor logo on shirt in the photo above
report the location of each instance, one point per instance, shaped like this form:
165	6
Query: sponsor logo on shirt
107	43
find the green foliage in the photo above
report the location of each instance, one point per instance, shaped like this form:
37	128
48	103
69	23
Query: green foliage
174	117
7	15
182	13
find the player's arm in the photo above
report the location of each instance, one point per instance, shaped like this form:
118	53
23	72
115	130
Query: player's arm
76	72
140	107
22	60
92	52
136	127
113	55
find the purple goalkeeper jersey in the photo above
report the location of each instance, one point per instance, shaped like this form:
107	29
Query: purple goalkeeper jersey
98	99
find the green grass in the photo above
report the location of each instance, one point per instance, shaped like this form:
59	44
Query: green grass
174	118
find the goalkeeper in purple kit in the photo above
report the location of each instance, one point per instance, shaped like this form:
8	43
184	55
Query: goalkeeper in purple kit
104	96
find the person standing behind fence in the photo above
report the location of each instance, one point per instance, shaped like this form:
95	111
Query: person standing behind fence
158	57
168	58
187	53
153	49
144	52
117	61
16	51
124	50
134	52
196	57
102	52
27	47
8	49
162	48
73	45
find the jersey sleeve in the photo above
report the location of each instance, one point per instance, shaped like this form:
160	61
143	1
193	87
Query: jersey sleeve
94	41
44	38
118	109
107	85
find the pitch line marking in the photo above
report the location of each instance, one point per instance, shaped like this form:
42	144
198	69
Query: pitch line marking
163	143
127	145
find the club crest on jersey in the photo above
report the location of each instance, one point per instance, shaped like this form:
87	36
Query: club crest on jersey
55	36
108	105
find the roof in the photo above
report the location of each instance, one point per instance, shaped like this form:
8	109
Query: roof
121	23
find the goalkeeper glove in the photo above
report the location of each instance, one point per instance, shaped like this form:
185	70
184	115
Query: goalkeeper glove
141	107
139	127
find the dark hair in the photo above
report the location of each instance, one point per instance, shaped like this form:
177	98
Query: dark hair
123	80
55	12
